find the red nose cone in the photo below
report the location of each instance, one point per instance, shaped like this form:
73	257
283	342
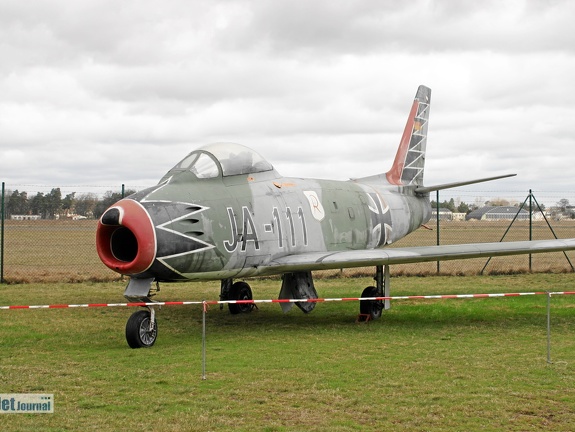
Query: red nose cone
126	238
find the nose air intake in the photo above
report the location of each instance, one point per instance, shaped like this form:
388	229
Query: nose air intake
126	238
124	244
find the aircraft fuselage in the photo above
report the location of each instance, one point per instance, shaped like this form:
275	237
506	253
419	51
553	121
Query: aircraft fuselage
229	227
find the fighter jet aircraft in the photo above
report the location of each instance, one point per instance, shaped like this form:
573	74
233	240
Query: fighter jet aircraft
224	213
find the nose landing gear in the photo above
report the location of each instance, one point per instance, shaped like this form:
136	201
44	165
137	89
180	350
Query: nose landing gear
142	329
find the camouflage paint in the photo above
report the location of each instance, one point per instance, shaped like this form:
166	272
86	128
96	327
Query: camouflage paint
209	225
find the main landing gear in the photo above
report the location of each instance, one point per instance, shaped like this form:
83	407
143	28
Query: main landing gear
372	309
236	291
142	327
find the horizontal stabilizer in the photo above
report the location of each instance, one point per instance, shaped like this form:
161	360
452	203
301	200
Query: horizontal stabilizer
427	189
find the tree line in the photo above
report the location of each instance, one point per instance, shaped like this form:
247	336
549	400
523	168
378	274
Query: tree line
461	208
53	206
89	205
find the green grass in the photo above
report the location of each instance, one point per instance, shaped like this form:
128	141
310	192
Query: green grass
426	365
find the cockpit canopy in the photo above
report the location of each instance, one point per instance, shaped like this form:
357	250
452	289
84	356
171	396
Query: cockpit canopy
221	159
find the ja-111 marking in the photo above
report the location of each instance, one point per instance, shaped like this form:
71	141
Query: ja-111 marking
224	213
275	228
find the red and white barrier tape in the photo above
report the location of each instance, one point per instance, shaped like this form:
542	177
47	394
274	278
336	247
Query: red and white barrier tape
318	300
93	305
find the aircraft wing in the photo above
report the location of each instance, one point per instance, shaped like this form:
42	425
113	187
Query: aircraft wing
389	256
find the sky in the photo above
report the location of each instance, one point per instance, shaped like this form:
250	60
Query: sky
101	93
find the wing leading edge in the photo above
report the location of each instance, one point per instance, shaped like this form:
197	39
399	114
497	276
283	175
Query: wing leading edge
389	256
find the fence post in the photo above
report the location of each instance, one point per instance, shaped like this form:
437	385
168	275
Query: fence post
437	222
548	327
123	191
530	226
204	310
2	234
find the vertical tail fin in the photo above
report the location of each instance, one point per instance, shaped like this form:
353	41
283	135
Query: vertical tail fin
409	160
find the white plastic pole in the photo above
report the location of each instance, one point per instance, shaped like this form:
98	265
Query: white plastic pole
204	310
549	327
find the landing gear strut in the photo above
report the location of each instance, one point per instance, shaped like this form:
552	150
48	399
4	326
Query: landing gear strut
141	328
372	309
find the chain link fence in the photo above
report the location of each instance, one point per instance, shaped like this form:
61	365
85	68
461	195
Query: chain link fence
63	249
49	232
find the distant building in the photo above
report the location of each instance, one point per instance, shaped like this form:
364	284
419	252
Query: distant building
25	217
444	214
459	216
498	213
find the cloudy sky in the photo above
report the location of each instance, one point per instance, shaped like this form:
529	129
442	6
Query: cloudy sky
99	92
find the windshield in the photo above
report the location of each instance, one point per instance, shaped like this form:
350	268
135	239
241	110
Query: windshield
201	164
234	159
237	159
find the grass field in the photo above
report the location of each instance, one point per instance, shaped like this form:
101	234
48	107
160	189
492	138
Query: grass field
425	366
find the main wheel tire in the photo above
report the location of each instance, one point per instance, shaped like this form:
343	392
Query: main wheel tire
138	334
240	291
372	308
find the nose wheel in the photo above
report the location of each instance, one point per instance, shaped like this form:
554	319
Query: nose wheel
142	329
